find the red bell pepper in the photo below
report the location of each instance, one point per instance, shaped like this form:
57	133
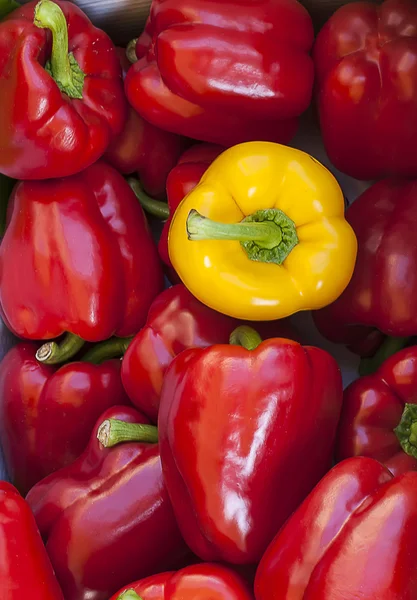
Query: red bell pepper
62	102
197	582
366	64
25	570
183	178
176	321
382	294
47	414
89	262
144	148
223	72
379	415
244	437
107	519
355	536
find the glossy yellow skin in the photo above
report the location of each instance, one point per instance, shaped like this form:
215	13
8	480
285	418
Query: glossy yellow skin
244	179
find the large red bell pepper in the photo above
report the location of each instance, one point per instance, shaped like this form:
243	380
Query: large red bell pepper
245	434
77	256
366	64
354	537
61	103
47	414
25	569
176	321
379	415
224	72
144	148
197	582
382	294
107	519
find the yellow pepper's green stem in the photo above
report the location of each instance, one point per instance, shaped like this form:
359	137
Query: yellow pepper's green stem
112	432
63	67
266	235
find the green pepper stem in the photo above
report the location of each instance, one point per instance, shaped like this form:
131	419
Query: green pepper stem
115	347
156	208
390	346
112	432
406	431
63	67
245	336
6	187
7	6
54	353
129	595
265	234
131	51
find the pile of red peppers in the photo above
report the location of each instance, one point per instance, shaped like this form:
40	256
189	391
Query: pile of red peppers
158	448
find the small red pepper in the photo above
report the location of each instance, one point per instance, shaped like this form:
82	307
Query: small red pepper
61	91
90	265
176	321
354	537
381	297
47	414
223	72
379	415
106	518
25	569
197	582
366	66
144	148
245	434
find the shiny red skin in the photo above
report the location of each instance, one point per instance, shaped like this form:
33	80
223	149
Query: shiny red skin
198	582
237	429
366	65
372	409
25	569
106	518
183	178
144	148
47	413
43	132
176	321
382	293
89	262
208	70
353	537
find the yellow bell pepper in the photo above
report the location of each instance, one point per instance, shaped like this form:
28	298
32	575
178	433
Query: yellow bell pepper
263	235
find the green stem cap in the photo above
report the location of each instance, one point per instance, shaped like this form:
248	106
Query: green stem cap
115	347
129	595
53	353
156	208
245	336
112	432
62	67
267	235
7	6
390	346
131	51
406	431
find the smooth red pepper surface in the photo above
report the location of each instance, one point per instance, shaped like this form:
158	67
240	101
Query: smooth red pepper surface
374	406
176	321
237	429
382	293
89	262
144	148
224	72
366	64
43	132
25	570
107	518
353	537
183	178
198	582
47	414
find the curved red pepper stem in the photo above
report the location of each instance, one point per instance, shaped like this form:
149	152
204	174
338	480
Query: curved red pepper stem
54	353
131	51
390	346
113	432
245	336
115	347
129	595
156	208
